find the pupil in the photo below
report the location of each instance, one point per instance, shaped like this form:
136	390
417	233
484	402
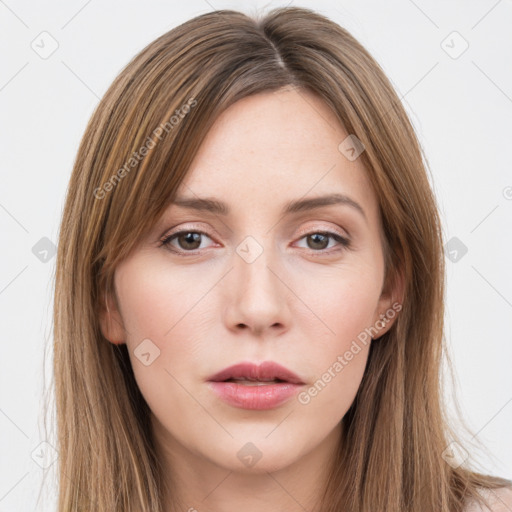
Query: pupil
315	237
189	239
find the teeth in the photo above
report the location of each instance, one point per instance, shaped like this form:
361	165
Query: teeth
253	382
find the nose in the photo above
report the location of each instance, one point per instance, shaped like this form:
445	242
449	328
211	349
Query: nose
257	295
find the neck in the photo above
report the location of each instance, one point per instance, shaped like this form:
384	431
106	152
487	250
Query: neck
196	484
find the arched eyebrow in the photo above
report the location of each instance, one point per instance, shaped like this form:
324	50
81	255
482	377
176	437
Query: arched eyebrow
213	205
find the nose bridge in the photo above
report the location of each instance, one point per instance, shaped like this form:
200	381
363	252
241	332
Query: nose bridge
253	261
259	299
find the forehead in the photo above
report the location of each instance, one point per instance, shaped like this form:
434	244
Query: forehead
277	147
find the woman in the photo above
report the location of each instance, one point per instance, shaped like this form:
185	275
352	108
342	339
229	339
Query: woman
289	358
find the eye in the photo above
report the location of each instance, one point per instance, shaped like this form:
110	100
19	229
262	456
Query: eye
318	241
188	240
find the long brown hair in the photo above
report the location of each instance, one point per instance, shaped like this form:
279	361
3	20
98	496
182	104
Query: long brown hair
165	100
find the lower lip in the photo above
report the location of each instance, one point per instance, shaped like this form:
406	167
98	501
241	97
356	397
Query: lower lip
257	398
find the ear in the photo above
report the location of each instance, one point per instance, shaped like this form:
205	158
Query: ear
390	302
111	322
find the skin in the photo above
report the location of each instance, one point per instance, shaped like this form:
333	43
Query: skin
292	305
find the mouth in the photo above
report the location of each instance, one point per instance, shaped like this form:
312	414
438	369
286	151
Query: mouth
254	382
249	386
251	374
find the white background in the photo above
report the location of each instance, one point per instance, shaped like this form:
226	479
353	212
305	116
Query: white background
461	109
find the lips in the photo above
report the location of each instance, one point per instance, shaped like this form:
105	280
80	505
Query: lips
267	371
253	387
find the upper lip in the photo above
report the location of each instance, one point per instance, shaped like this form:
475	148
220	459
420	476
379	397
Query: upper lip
266	371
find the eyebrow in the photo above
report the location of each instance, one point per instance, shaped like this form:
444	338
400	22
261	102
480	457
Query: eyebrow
215	206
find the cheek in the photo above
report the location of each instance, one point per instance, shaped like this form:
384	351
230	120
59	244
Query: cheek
338	350
337	360
352	309
332	393
164	314
343	302
157	303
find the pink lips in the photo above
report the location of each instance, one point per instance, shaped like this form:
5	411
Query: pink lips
280	384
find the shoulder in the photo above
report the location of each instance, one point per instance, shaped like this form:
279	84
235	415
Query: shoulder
499	500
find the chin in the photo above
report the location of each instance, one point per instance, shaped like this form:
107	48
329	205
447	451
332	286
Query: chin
257	457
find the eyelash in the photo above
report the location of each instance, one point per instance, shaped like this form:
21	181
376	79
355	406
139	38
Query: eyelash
343	241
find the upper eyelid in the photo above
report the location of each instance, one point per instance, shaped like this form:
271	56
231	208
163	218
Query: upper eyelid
338	231
302	233
343	232
179	229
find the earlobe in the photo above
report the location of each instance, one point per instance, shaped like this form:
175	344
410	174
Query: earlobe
387	318
111	323
390	303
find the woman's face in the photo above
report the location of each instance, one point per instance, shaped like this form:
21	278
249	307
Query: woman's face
259	281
